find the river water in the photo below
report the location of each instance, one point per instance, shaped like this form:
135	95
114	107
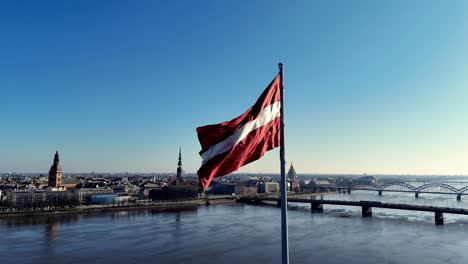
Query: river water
243	234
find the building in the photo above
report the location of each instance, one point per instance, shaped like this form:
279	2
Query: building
83	195
224	188
221	188
39	198
268	187
319	185
176	192
109	198
292	173
25	198
60	198
293	185
55	173
147	187
367	180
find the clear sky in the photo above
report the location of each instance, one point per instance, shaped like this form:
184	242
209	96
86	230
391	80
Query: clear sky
371	86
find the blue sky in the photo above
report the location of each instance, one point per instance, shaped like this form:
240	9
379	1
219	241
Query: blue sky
371	86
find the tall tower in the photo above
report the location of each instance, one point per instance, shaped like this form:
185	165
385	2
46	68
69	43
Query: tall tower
179	167
292	173
55	173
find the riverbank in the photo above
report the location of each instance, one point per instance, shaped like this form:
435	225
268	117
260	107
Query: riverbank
154	206
96	209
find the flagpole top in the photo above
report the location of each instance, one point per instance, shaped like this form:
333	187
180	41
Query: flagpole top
280	65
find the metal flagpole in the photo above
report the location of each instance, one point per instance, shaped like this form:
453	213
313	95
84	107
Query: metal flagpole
284	199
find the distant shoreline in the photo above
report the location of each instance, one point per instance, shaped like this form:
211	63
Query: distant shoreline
97	209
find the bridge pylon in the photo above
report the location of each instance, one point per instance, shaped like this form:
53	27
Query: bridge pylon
315	207
439	218
366	211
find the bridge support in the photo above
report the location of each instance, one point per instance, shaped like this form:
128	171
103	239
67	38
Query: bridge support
349	190
459	197
380	192
316	207
416	195
439	218
366	211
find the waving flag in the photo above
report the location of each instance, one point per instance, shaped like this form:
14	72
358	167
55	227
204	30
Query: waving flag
232	144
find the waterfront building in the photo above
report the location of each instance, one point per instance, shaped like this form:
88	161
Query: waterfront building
25	198
220	188
225	188
83	195
59	198
39	198
55	172
183	191
108	198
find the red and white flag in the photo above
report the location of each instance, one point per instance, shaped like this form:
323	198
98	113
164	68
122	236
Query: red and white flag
230	145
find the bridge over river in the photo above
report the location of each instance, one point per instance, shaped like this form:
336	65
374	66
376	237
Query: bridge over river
317	205
455	188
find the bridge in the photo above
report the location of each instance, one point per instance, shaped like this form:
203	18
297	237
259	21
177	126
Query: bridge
317	205
432	187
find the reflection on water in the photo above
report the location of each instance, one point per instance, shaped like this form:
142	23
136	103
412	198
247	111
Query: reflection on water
51	229
235	234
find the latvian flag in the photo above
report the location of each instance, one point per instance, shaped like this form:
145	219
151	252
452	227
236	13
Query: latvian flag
230	145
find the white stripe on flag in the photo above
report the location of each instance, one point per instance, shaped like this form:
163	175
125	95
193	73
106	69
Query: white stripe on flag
268	114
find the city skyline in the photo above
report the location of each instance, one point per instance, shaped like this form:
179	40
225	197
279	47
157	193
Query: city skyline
369	88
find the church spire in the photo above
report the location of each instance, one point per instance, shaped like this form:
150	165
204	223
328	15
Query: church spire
179	166
180	157
56	157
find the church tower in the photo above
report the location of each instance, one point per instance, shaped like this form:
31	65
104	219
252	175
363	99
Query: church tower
55	173
179	167
292	173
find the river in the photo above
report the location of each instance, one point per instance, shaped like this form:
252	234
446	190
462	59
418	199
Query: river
242	234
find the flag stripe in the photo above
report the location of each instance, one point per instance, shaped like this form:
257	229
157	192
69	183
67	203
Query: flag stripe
267	115
251	148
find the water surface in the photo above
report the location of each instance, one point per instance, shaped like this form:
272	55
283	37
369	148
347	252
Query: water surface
236	234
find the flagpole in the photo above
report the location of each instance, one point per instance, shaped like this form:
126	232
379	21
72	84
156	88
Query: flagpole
284	199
